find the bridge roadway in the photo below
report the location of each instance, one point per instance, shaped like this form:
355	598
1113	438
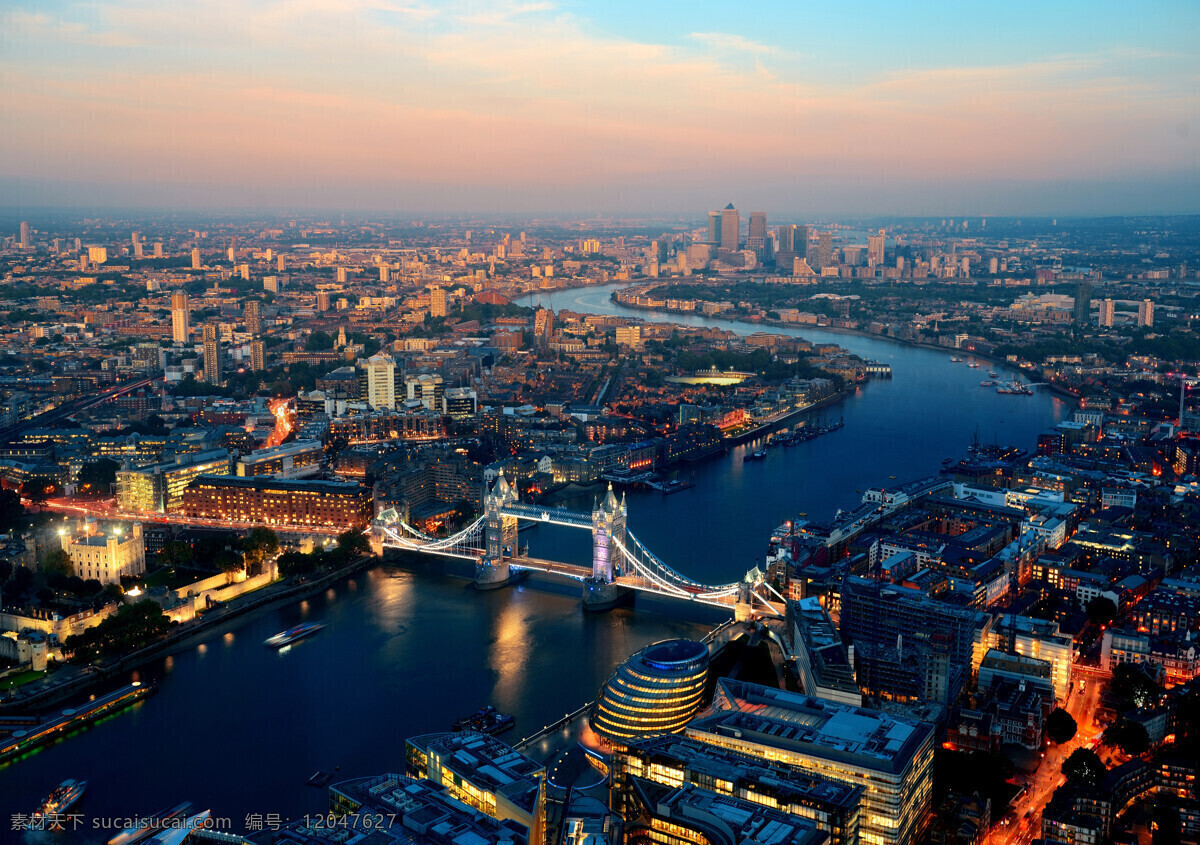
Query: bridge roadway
633	582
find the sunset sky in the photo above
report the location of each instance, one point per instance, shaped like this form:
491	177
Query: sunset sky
646	108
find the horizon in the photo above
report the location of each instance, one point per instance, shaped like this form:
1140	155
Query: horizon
559	108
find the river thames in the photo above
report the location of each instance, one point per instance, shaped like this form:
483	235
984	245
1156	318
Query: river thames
238	728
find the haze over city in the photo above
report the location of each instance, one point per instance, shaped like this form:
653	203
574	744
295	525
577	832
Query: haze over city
623	107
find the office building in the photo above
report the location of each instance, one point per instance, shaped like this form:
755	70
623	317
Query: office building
426	389
891	758
663	815
459	402
785	238
713	235
672	760
258	356
823	662
876	245
483	773
439	302
907	646
270	501
212	357
821	254
1107	312
731	228
756	236
253	316
24	237
158	488
392	809
107	557
657	690
297	459
381	382
1083	303
1145	315
180	318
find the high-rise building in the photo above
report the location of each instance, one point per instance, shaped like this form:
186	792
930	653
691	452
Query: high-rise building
340	275
1107	312
714	228
280	264
158	249
212	356
97	254
543	326
731	227
180	317
253	315
1083	303
322	300
875	248
196	263
384	272
756	237
439	302
1145	317
24	234
822	253
785	238
381	382
258	357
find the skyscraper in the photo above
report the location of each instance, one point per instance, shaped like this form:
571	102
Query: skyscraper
180	318
785	238
381	382
196	263
24	234
212	357
714	228
439	302
731	228
1083	303
875	248
823	254
1145	317
1107	312
322	300
258	356
253	314
756	238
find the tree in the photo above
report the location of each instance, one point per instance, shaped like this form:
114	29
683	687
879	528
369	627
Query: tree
353	543
98	477
260	544
1084	768
58	562
1133	688
175	553
1128	735
40	489
318	341
1060	726
1101	610
12	513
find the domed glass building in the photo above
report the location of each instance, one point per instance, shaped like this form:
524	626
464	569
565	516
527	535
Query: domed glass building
657	690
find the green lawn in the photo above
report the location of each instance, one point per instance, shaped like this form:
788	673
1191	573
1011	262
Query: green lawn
13	681
173	580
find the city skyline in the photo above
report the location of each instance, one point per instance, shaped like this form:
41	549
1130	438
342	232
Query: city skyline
547	107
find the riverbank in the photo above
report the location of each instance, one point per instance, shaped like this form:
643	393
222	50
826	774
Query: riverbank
243	609
1055	389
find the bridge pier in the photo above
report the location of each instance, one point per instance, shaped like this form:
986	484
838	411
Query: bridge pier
599	594
494	574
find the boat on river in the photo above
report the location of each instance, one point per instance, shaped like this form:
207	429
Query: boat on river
296	632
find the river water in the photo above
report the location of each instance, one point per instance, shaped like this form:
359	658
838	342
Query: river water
238	728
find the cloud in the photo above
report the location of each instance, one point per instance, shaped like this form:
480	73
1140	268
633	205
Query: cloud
494	97
737	43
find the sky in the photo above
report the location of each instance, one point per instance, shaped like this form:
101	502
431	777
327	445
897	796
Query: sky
627	107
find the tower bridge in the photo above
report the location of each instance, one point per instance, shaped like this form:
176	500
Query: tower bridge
621	563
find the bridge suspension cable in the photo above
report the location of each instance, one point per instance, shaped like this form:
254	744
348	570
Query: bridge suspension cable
654	570
424	542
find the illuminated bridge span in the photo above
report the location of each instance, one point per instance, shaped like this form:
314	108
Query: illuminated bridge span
620	561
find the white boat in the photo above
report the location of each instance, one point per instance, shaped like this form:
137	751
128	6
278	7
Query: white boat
296	632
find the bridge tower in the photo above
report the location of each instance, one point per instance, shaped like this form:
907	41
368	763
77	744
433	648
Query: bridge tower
500	530
500	534
608	529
